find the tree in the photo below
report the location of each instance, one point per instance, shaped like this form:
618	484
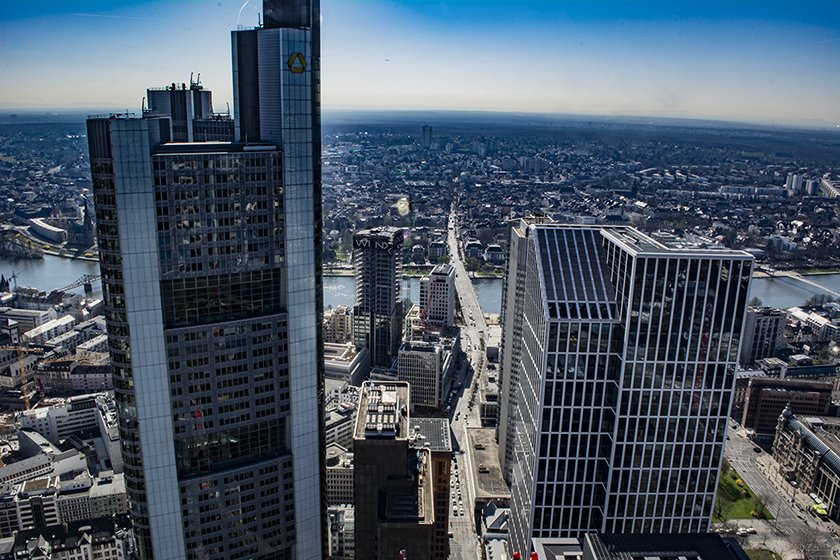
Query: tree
809	547
755	302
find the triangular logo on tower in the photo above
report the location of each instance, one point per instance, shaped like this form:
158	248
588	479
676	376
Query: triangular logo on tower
296	63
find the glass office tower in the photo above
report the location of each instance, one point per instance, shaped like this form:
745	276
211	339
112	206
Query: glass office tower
625	375
210	258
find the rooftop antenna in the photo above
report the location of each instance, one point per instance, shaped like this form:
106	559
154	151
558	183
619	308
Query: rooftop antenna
198	79
143	105
259	20
191	79
228	107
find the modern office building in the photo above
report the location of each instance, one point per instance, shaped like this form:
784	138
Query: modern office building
378	310
511	347
764	333
437	296
394	481
210	259
190	112
625	372
423	365
767	396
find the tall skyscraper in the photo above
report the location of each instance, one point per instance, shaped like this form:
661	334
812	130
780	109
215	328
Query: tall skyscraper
437	296
426	140
210	259
378	311
626	367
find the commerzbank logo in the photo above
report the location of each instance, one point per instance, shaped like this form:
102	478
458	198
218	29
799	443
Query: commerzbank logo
296	63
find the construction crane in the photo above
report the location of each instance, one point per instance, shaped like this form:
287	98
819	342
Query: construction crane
21	352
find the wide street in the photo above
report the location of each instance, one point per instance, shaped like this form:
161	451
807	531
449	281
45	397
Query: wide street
465	544
787	504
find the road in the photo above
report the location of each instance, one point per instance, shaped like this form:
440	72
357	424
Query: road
760	471
465	544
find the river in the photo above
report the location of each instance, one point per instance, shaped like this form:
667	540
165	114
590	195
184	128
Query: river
54	272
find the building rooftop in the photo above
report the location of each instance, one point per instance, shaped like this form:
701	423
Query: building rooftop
682	546
383	410
487	472
432	433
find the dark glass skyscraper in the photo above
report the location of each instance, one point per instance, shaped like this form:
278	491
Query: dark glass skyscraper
624	374
210	258
378	311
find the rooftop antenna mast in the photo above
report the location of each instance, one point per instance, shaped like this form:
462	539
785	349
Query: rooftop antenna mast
191	79
143	105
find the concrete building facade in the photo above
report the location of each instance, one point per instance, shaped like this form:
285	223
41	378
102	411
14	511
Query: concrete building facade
437	296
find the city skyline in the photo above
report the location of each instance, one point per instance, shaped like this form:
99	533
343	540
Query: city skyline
768	63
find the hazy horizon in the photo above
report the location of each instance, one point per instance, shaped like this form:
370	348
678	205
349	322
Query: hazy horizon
765	63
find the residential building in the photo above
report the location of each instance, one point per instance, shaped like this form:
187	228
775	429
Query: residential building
378	310
393	481
629	346
338	325
437	296
764	334
210	261
108	538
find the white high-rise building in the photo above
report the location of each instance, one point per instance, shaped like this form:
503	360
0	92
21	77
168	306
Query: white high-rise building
437	296
626	368
422	365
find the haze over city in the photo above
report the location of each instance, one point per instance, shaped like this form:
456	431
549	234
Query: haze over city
761	62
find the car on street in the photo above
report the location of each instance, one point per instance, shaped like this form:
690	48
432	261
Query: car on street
757	449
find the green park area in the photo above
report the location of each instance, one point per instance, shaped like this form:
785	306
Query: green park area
736	500
762	554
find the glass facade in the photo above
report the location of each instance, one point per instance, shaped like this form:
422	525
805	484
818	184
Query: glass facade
378	311
625	377
210	256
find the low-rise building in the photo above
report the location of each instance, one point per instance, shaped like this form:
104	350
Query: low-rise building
342	532
105	538
810	455
339	475
697	546
338	325
50	329
346	362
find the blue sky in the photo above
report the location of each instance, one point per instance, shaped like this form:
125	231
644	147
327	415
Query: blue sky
771	61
